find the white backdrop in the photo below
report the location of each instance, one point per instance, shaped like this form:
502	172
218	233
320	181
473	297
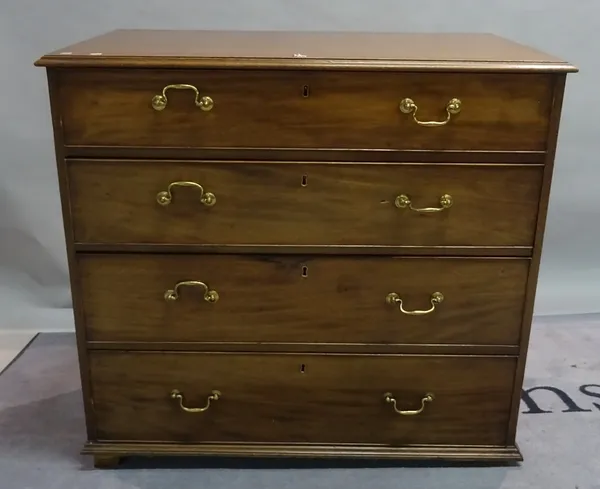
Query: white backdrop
33	272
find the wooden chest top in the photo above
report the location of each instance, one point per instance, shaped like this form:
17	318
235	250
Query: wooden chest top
325	50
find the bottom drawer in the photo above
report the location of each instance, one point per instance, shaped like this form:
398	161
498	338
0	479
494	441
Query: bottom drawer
302	398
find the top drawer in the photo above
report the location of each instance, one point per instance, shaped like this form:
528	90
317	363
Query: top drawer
305	109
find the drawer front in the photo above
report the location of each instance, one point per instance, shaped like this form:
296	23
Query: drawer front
303	204
301	398
291	109
306	299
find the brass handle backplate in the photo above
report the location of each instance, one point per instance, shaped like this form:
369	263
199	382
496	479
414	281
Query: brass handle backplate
209	295
408	106
389	398
403	201
177	395
159	102
394	299
166	196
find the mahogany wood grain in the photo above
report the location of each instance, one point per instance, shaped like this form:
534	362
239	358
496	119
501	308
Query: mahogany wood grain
104	461
463	251
302	398
303	203
317	155
67	229
257	109
227	249
304	299
288	49
299	347
435	454
540	228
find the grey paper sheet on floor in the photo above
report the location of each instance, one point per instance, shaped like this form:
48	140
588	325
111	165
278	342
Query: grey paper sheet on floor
42	431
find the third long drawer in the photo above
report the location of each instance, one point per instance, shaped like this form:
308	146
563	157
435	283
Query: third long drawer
302	299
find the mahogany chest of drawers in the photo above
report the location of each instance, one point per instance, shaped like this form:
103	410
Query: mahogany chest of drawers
303	244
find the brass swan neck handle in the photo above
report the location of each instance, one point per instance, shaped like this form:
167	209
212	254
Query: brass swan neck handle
453	107
389	398
165	197
172	295
394	299
403	201
178	395
159	102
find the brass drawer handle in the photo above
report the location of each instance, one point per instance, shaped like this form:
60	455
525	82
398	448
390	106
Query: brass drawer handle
209	295
166	196
403	201
215	396
159	102
436	298
389	398
408	106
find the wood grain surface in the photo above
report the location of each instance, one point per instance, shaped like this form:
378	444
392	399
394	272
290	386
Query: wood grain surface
318	155
111	452
301	398
532	279
303	204
306	299
258	109
289	49
67	227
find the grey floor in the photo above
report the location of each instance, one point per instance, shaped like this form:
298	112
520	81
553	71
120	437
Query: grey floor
42	431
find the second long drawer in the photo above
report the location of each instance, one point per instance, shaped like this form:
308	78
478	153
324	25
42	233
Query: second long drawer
302	299
275	203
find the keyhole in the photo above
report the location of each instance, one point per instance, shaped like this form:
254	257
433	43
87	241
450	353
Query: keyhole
302	368
305	91
305	271
304	180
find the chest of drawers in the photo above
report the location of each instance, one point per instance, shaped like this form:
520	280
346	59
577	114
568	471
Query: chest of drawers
303	244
